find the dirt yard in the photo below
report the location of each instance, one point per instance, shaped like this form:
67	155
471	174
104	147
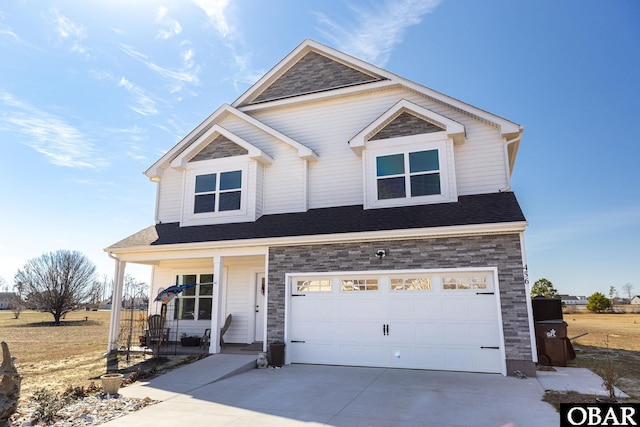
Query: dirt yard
56	356
608	335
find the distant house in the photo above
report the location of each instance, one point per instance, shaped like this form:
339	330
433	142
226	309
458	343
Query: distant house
573	301
5	300
635	300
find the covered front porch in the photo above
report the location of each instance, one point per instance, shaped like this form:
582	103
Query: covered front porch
216	284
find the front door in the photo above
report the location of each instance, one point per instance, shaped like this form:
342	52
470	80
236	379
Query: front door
259	311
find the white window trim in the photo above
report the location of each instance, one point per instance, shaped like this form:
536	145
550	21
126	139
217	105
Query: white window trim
241	163
198	272
405	145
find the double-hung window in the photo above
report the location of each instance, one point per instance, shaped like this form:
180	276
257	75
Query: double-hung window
195	302
409	171
406	175
218	192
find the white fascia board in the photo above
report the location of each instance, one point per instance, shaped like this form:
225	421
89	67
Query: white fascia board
154	257
230	247
453	129
506	127
181	161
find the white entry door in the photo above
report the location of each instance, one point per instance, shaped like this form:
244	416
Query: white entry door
259	307
441	321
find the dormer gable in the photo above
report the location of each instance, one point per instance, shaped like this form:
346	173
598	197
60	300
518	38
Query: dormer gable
193	143
406	119
219	148
406	124
218	143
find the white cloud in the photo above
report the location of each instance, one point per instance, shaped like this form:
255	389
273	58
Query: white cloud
133	141
144	104
69	31
177	79
379	28
63	144
215	10
6	32
171	27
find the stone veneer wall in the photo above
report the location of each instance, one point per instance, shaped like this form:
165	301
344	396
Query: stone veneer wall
502	251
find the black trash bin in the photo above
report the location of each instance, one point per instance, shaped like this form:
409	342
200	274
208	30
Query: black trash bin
554	348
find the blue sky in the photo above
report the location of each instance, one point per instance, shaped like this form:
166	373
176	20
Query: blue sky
92	93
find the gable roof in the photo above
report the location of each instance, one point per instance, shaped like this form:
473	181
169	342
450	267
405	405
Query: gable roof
205	129
428	122
494	208
320	80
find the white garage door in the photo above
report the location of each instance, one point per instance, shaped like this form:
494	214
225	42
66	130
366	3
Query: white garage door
442	321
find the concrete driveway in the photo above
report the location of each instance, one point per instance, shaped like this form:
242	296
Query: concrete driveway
199	395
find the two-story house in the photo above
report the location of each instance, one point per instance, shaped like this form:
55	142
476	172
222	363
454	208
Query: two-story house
360	217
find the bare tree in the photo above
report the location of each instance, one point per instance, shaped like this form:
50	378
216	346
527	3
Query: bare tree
16	305
56	282
627	288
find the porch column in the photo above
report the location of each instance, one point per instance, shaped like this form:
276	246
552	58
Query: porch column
116	304
217	309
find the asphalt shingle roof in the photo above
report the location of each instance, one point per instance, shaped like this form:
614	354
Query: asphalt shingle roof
468	210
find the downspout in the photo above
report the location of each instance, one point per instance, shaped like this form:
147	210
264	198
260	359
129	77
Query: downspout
506	159
116	305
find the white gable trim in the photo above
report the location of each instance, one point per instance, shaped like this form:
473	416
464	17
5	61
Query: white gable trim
453	129
180	162
156	170
507	128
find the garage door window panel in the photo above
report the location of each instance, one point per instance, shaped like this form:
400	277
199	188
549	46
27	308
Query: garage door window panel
411	284
464	283
313	286
349	285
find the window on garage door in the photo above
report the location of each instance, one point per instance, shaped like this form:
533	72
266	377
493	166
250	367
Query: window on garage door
410	283
312	285
348	285
464	282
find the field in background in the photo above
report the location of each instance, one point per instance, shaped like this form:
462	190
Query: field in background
622	331
615	336
56	356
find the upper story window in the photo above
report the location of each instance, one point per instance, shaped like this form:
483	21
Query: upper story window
409	171
411	174
218	192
